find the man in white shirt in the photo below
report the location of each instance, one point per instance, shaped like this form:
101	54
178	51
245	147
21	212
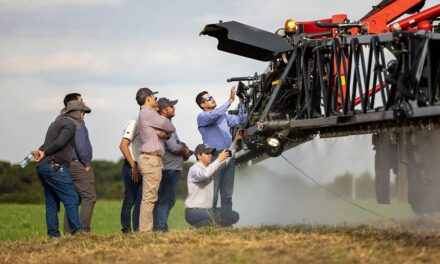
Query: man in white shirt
198	205
132	195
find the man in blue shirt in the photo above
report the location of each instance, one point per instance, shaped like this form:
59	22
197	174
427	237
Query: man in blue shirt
81	170
214	124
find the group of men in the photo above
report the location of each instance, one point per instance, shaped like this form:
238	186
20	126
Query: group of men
154	157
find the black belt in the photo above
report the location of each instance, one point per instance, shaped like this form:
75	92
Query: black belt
156	154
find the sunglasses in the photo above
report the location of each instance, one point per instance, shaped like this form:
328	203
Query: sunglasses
209	98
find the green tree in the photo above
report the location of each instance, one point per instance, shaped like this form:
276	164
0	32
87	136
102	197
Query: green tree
18	185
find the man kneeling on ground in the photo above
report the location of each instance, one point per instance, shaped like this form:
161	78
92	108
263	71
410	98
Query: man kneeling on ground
198	204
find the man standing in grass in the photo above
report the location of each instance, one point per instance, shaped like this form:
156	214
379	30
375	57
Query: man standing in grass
175	153
81	170
54	158
214	124
132	180
152	149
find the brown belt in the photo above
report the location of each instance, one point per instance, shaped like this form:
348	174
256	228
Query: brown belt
156	154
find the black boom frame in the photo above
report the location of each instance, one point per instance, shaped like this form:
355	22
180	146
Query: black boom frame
356	76
333	86
345	86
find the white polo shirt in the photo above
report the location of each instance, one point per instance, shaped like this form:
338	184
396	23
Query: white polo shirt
131	133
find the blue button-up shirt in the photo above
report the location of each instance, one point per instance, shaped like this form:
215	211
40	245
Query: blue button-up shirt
214	126
82	150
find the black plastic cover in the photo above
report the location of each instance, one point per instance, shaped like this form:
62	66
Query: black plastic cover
247	41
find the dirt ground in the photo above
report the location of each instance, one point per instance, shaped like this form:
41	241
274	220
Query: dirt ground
300	243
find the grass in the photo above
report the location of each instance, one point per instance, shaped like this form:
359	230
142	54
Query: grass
385	241
28	221
299	243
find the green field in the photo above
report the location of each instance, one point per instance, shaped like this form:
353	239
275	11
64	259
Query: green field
23	239
28	221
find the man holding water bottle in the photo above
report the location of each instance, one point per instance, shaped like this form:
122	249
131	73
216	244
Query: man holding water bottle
53	160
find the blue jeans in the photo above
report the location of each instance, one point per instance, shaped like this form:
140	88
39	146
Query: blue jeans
224	183
58	186
132	197
200	217
166	198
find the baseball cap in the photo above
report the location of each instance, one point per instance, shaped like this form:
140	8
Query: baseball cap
163	102
75	106
202	148
142	93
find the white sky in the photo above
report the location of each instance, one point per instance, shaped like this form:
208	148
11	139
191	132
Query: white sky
106	50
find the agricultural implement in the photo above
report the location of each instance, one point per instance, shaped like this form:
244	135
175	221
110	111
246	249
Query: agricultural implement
336	77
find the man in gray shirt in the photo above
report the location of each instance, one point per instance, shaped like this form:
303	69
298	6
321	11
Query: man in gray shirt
54	158
175	153
199	211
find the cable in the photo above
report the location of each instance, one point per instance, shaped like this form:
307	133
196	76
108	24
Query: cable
332	192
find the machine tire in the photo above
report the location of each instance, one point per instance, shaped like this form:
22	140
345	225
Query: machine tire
423	177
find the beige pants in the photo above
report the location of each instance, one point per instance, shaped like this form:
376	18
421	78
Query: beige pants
151	169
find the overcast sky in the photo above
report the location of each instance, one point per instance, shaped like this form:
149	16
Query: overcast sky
107	49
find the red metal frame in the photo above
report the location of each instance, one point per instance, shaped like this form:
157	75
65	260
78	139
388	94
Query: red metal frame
413	20
310	27
378	22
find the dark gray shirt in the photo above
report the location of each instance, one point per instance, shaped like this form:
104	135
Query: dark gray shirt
172	160
82	148
59	140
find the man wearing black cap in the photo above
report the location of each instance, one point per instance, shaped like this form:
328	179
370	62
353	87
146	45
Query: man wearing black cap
175	153
199	209
53	160
152	149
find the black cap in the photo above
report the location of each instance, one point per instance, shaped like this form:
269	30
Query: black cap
202	148
163	103
142	94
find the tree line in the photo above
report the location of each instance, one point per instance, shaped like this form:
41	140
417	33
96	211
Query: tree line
18	185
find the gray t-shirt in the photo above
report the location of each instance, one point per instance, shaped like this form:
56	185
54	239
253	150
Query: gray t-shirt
171	160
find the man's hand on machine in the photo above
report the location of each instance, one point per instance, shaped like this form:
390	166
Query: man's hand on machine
223	155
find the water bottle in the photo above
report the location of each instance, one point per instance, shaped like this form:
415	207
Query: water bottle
26	160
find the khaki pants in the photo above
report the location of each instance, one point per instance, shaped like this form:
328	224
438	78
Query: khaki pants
85	186
151	169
